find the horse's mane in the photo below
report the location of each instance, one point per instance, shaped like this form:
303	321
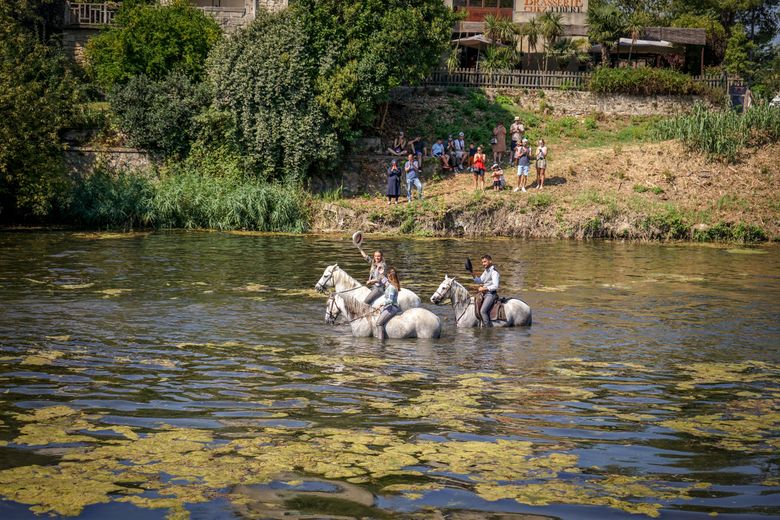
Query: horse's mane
351	282
354	306
458	290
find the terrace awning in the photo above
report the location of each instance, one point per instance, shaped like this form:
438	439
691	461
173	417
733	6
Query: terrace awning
479	41
648	46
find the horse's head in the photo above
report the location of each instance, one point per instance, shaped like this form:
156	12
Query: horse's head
332	311
326	280
443	292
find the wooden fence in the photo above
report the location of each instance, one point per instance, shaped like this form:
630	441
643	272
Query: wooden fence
538	79
535	79
91	14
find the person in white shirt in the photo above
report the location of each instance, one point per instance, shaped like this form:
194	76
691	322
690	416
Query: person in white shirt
489	286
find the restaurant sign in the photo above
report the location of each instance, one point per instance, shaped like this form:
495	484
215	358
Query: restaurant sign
553	6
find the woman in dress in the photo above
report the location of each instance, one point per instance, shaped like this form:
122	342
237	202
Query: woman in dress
499	146
393	182
479	168
541	163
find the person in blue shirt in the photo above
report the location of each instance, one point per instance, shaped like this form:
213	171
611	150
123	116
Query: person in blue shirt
489	286
390	304
412	169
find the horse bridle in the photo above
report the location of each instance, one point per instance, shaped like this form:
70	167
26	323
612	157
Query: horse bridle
332	303
330	277
441	296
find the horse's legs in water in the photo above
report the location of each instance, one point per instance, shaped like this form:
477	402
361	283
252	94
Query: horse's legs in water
379	325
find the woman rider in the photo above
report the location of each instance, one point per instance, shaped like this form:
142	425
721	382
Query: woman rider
390	305
376	278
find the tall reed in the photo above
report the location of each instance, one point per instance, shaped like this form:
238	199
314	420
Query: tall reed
186	199
723	134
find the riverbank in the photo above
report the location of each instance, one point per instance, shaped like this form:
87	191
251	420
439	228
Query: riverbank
640	191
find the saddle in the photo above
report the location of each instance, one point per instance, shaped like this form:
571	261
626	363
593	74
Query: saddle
497	312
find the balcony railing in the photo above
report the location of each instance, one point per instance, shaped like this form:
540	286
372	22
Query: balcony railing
91	14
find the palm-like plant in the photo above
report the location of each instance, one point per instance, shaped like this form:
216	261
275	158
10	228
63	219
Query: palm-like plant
498	58
531	32
635	25
551	27
606	24
566	49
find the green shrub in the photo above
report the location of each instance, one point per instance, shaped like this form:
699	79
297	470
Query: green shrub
670	222
642	81
39	98
723	134
152	40
728	232
265	78
540	200
159	116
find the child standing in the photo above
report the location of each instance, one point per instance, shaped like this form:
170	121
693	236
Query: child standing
497	174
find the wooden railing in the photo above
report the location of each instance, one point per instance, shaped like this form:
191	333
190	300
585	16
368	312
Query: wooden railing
533	79
539	79
91	14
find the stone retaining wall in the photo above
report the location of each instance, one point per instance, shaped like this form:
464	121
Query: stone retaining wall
81	160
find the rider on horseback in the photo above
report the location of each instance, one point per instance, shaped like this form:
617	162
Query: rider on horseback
376	277
489	287
390	305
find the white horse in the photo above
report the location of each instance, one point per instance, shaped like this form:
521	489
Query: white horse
412	323
337	278
518	313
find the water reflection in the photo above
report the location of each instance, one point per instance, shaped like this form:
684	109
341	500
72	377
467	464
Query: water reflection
648	382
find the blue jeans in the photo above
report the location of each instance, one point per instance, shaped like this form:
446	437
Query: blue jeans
487	303
416	182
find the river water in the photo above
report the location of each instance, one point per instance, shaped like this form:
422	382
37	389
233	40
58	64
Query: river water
175	375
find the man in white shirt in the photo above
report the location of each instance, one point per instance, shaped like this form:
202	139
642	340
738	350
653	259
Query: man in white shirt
489	286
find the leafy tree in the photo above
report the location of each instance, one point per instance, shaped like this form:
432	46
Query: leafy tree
606	24
39	96
738	50
152	40
159	116
265	77
364	48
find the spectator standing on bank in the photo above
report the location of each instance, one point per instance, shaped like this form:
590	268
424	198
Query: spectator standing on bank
412	169
517	132
497	174
393	182
460	151
499	142
479	168
541	163
472	153
523	153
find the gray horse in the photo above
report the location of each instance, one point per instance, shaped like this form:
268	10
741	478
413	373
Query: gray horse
518	313
337	278
412	323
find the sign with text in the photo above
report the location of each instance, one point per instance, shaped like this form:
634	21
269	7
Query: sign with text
573	12
554	6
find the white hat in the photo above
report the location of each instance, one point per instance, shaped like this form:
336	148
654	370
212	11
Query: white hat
517	118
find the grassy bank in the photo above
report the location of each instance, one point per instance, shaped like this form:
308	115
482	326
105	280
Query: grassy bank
607	177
